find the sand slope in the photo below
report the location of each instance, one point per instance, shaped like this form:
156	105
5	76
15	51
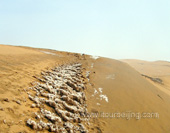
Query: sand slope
17	67
127	90
156	69
113	86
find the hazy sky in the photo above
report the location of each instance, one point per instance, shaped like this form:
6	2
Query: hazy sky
112	28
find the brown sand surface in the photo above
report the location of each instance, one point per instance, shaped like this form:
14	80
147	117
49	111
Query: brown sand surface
152	68
155	69
18	65
123	87
127	91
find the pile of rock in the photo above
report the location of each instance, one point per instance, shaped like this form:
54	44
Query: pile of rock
61	100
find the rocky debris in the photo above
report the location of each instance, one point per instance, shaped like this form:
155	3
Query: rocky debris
51	116
33	105
18	102
88	74
103	97
157	80
100	95
1	109
82	128
62	90
4	121
6	99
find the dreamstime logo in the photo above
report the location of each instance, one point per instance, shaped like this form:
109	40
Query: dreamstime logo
124	115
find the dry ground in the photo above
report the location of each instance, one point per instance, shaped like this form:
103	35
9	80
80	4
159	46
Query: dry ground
123	89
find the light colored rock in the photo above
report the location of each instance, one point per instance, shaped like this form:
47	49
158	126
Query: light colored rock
63	91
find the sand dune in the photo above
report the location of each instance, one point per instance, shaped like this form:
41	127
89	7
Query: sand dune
17	69
128	91
111	86
156	69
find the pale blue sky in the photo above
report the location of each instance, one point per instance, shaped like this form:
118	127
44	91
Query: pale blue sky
112	28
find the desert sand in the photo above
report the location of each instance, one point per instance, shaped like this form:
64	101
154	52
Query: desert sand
154	69
109	86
